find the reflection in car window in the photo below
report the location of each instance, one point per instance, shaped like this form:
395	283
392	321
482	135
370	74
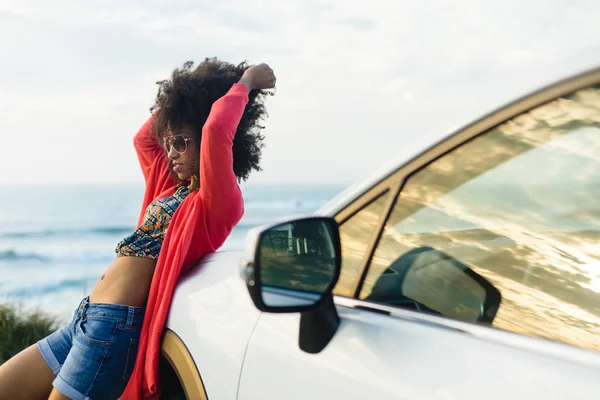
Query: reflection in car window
356	235
517	210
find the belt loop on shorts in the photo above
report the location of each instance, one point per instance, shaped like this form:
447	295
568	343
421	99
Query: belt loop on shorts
84	304
130	314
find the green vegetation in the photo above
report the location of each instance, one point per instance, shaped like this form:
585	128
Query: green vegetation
19	330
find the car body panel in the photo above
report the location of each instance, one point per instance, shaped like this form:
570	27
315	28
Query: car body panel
214	316
375	356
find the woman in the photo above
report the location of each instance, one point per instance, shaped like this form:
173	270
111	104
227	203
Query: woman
191	164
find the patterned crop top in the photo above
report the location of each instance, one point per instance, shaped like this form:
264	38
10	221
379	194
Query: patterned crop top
147	240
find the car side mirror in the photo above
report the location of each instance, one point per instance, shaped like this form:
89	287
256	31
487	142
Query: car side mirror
293	267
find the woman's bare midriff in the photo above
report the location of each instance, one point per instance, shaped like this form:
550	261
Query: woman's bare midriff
127	281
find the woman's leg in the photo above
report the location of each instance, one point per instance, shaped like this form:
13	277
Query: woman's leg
26	376
31	373
56	395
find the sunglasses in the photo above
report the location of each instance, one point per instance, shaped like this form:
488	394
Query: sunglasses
177	142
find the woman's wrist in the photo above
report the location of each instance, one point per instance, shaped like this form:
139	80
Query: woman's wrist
246	81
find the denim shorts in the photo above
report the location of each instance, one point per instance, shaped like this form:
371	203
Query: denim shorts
93	355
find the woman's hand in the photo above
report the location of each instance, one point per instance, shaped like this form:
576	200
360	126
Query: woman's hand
259	76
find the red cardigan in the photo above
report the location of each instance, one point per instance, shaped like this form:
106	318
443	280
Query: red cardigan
200	225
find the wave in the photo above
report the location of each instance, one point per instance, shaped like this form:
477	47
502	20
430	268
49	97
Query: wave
46	288
13	255
117	231
101	230
57	255
90	253
257	212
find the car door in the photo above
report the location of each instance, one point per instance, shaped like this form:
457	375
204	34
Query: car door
471	272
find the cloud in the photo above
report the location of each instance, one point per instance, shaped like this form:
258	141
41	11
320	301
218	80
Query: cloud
357	81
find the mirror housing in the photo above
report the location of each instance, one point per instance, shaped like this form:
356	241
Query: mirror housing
293	267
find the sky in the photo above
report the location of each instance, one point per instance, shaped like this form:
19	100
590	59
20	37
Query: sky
358	82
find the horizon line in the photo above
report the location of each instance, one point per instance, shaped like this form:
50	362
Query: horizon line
141	184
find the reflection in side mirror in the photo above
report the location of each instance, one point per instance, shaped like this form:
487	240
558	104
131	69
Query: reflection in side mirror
295	264
429	280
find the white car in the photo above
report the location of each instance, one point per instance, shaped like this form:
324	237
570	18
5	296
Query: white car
469	269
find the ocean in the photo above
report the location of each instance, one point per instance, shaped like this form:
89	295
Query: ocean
55	242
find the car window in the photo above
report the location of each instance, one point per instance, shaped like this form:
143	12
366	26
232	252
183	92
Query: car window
356	233
505	229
